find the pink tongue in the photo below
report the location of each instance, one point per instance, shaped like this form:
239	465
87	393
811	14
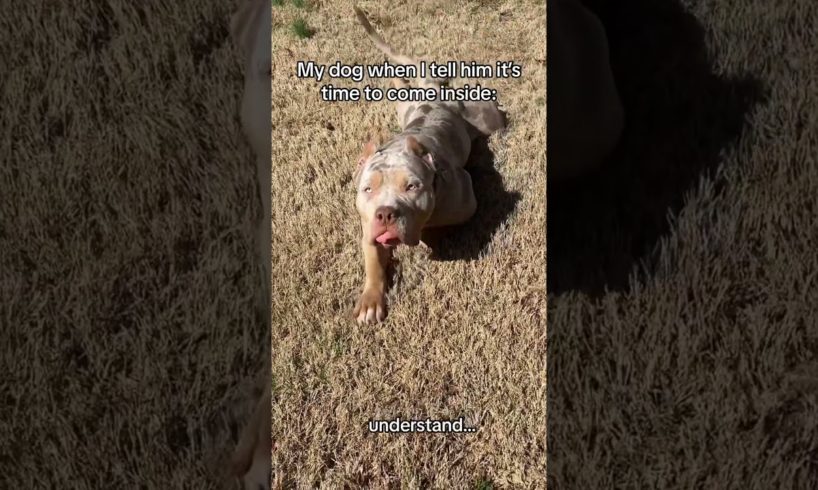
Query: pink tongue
386	237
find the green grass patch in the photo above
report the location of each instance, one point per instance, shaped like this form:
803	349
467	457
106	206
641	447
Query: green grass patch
301	29
483	484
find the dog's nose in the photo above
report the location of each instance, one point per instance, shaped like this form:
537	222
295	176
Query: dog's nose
386	215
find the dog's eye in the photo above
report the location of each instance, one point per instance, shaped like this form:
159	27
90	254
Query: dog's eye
367	189
412	187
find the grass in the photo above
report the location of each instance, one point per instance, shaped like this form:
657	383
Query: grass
300	29
682	308
129	347
464	335
298	26
129	344
483	485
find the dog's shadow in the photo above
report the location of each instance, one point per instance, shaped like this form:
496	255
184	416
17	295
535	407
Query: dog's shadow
494	205
680	117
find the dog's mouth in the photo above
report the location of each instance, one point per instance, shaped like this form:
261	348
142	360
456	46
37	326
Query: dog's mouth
389	239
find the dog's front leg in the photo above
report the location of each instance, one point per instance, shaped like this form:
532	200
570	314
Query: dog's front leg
371	306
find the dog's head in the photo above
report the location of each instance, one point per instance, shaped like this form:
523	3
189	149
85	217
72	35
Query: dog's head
396	195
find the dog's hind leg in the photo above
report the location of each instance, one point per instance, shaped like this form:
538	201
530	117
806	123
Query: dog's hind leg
485	116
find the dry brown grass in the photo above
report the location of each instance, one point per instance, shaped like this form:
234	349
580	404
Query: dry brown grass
464	336
129	345
701	372
128	336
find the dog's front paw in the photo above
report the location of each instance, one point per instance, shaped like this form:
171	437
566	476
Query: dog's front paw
371	307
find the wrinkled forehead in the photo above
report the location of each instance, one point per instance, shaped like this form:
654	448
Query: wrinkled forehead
394	166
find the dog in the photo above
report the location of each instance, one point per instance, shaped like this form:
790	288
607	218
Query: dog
585	114
250	30
416	180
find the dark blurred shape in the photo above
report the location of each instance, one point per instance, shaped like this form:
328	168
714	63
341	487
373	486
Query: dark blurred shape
679	117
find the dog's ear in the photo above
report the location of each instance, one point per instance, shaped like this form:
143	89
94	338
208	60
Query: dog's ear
374	140
412	145
252	16
370	147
